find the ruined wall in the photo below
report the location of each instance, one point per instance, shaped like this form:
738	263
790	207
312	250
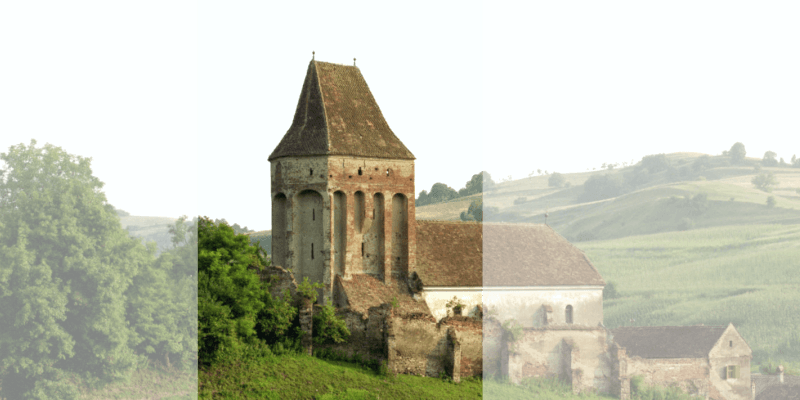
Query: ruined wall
524	305
690	374
577	355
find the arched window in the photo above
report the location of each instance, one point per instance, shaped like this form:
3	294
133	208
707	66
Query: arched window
569	314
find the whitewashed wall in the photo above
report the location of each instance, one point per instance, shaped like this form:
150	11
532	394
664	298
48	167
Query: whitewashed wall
523	303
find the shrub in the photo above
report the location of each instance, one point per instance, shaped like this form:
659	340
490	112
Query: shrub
599	187
686	224
655	163
329	328
556	180
610	291
764	181
771	201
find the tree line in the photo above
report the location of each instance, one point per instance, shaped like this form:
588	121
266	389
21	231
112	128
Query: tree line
81	299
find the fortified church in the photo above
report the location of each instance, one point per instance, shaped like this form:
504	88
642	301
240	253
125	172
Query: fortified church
342	192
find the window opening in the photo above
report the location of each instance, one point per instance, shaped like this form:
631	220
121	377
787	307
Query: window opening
387	172
312	251
731	343
362	249
569	314
313	215
359	171
310	171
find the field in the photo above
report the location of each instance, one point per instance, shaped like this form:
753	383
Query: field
745	275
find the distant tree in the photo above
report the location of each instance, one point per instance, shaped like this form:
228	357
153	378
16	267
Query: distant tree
782	162
610	291
539	171
765	181
422	199
795	161
478	212
771	201
556	180
655	163
701	163
686	224
599	187
440	193
769	159
66	267
476	184
737	153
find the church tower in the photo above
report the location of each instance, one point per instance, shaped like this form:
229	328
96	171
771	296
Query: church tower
342	186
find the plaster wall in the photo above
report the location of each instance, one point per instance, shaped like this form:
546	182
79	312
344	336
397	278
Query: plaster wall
526	304
437	298
578	355
731	349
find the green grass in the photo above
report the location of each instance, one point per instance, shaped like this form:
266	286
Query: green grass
304	377
747	275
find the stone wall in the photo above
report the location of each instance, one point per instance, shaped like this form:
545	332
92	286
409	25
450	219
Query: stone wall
577	355
527	305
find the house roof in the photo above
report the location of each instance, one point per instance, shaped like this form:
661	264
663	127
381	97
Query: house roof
365	291
764	382
337	115
495	254
668	341
780	392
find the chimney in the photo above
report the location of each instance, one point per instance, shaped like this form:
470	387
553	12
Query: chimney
753	388
780	372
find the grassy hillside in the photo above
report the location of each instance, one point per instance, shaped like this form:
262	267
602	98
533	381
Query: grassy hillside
155	229
744	274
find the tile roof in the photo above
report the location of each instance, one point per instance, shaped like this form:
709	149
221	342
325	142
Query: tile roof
366	291
495	254
337	115
668	341
764	382
780	392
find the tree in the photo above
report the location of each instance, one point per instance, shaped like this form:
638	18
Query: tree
422	199
765	181
769	159
771	201
701	163
655	163
599	187
737	152
441	193
477	184
556	180
795	161
66	265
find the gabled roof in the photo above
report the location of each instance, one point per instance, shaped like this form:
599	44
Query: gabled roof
366	291
780	392
668	341
764	382
495	254
337	115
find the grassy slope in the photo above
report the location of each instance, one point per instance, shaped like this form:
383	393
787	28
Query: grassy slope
303	377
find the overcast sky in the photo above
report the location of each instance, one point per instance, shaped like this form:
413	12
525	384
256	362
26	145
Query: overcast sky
179	104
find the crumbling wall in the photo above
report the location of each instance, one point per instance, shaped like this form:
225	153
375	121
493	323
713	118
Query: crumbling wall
576	355
689	374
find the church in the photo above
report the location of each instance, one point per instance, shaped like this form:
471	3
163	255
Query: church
432	296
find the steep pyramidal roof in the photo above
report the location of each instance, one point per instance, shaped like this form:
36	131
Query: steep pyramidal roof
337	115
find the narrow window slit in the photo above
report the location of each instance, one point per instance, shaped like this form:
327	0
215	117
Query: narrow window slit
312	251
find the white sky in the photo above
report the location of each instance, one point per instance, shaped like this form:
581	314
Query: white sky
180	103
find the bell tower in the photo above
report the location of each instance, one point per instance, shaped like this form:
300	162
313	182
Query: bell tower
342	186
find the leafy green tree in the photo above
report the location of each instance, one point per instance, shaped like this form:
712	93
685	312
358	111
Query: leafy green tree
65	266
556	180
422	199
599	187
441	193
328	328
795	161
764	181
770	159
477	184
771	201
737	152
655	163
701	163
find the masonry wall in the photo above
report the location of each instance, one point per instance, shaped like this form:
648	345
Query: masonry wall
577	355
524	305
731	349
689	374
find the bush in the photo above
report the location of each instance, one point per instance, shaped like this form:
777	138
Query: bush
686	224
610	291
556	180
771	201
655	163
764	181
599	187
327	327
